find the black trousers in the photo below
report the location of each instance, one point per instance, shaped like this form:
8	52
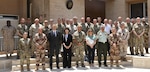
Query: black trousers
67	54
51	54
102	49
91	54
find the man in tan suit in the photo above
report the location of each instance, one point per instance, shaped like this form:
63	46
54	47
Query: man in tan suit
8	32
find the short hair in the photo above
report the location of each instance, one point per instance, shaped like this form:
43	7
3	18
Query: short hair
25	33
66	29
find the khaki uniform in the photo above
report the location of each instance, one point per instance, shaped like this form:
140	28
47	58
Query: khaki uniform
8	34
131	42
114	51
32	31
24	52
124	36
40	40
146	36
79	49
139	29
22	28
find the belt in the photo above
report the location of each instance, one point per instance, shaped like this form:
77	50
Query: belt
102	42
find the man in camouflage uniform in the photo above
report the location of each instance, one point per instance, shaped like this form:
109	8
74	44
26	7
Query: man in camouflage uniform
32	31
124	36
138	30
130	40
146	35
24	51
79	38
21	28
8	33
60	26
40	40
114	47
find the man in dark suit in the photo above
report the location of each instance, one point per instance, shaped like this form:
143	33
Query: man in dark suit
54	38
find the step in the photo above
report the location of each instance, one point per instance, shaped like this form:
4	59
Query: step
141	62
32	66
33	60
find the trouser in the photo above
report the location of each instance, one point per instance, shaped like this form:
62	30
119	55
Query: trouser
91	54
79	50
102	49
132	50
123	49
139	45
40	57
114	55
51	54
23	57
67	57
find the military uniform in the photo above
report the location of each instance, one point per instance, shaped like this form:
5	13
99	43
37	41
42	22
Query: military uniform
124	36
40	40
79	37
146	36
24	52
60	28
20	30
32	31
114	50
139	29
131	38
8	34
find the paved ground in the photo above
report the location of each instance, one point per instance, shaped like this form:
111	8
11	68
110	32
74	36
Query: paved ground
95	69
122	68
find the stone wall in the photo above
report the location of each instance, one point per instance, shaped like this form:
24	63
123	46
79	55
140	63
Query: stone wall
58	9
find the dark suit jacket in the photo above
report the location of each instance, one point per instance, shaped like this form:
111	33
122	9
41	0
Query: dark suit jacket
55	42
69	39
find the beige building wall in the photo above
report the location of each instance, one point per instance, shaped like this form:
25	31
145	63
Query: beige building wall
13	7
58	9
115	8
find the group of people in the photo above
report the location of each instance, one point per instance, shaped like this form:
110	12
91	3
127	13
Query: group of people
79	39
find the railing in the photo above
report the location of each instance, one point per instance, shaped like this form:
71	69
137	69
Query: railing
16	43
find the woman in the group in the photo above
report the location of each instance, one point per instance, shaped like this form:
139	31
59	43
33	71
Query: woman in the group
67	43
91	41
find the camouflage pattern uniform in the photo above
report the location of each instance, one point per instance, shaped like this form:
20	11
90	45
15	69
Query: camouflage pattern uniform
146	36
24	52
79	37
131	38
20	30
139	29
8	34
114	51
32	31
124	36
40	40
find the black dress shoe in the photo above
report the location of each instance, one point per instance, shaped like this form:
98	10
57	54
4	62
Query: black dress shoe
105	65
58	67
142	54
77	65
51	68
99	65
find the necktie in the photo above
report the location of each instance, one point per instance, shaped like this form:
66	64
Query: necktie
55	33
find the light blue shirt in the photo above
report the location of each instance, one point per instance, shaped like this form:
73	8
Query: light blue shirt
107	28
102	36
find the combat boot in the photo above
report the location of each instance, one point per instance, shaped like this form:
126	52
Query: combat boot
28	67
37	67
21	68
43	66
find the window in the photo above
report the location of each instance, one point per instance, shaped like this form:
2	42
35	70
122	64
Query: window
138	10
